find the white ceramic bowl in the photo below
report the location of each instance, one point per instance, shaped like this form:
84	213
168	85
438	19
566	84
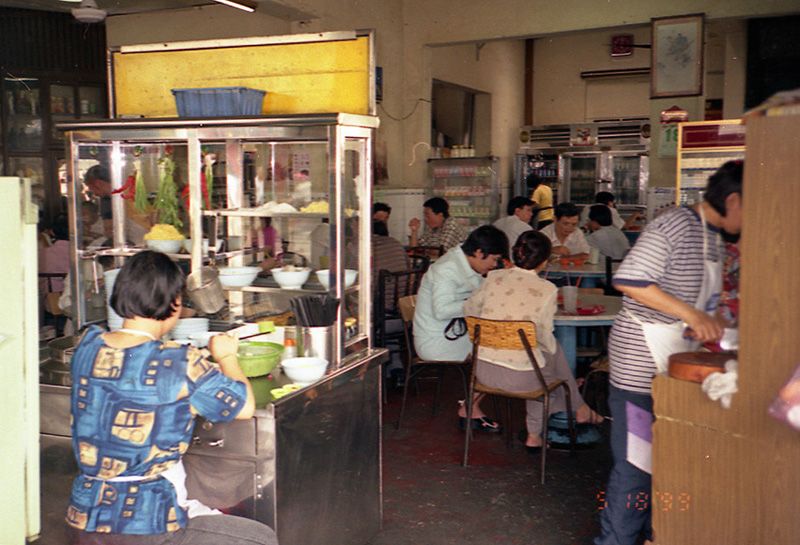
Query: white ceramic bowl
291	280
200	340
304	370
237	277
350	276
165	246
187	245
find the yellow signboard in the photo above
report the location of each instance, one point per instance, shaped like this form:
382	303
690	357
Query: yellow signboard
307	77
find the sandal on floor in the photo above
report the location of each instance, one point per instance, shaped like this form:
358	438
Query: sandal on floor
480	424
523	437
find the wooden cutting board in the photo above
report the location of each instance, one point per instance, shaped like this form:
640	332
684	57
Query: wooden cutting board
696	366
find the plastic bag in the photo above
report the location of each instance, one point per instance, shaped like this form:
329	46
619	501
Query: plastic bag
786	406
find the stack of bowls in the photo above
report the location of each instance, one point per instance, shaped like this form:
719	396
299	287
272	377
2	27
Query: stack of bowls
186	327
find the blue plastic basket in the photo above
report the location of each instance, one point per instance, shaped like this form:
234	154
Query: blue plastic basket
218	101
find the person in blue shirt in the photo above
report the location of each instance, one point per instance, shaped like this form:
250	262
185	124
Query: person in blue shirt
440	304
133	402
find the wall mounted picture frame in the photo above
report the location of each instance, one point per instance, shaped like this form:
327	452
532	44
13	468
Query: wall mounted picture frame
676	64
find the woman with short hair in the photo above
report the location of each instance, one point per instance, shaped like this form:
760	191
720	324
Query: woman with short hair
133	402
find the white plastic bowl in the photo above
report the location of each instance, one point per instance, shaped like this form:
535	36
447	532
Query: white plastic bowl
187	245
189	326
237	277
304	370
165	246
350	276
291	280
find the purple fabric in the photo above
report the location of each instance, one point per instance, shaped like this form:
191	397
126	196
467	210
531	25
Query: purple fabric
640	422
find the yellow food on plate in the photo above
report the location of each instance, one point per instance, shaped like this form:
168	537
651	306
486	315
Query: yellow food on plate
316	207
163	231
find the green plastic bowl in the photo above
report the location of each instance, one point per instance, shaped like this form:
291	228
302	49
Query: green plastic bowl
258	358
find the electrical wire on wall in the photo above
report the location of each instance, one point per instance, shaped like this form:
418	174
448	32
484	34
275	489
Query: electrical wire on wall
414	109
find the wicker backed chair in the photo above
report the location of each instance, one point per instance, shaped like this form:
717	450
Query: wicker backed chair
414	365
513	335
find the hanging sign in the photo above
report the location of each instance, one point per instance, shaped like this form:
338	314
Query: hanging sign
583	135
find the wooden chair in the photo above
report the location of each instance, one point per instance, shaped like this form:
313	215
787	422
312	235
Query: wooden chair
513	335
431	252
392	286
414	365
420	262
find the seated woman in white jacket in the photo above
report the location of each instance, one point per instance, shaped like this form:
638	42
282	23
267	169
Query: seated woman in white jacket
519	293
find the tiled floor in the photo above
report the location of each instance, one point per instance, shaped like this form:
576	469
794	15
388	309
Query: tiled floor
429	498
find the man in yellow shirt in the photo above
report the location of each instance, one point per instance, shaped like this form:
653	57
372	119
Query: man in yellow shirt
542	197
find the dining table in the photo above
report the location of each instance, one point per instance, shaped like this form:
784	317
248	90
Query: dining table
586	275
593	310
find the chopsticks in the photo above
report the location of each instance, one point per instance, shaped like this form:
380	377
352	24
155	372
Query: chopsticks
315	310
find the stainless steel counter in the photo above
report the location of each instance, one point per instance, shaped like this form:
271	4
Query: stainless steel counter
308	464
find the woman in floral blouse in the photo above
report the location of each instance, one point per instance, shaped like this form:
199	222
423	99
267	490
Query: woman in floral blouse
519	294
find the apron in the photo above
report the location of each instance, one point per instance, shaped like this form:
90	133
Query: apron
663	340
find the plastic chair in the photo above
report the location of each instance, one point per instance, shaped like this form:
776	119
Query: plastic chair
414	365
513	335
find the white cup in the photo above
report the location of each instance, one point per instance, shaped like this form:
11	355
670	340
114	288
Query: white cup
594	256
570	295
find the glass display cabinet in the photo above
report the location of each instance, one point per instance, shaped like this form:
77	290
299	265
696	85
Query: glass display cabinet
276	192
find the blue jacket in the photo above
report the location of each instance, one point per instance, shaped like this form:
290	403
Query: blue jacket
444	288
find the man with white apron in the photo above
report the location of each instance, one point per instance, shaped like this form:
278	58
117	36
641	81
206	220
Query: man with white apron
671	281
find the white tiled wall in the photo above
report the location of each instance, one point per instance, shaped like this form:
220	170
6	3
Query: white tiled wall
406	204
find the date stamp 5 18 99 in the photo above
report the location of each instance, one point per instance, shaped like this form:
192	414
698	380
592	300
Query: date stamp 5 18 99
642	501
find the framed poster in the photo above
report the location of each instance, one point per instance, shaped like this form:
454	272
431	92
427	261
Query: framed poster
676	64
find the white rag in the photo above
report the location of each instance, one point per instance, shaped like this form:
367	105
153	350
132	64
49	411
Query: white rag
722	386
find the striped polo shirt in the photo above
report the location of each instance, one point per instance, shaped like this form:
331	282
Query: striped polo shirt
669	254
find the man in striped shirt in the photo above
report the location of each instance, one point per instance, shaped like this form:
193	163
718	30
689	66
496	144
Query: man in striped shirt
661	279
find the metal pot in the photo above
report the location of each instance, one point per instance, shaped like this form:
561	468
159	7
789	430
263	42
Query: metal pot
205	290
61	349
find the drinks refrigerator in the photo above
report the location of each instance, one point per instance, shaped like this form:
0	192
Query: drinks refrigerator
470	186
577	161
704	146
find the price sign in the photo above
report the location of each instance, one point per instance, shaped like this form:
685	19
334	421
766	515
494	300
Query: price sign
668	140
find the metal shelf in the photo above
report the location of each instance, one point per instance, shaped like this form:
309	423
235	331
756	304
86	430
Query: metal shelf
258	213
312	288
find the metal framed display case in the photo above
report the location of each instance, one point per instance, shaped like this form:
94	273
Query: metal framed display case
703	146
309	463
309	175
470	186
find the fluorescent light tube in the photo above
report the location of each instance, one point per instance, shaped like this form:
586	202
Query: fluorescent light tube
238	5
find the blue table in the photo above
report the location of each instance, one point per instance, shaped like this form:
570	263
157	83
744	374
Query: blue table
566	332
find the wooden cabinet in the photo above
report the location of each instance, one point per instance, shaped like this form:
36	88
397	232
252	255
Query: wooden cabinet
30	144
738	467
